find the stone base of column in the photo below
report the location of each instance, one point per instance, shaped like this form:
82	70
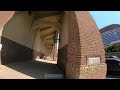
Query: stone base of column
55	52
73	71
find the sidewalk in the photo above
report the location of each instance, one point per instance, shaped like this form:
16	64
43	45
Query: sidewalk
29	70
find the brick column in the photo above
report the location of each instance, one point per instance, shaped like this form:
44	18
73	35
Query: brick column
84	42
5	16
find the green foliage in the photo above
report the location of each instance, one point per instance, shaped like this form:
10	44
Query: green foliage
110	48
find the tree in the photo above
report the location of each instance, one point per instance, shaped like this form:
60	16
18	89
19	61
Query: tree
110	48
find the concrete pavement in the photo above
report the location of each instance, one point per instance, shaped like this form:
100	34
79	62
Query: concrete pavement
29	70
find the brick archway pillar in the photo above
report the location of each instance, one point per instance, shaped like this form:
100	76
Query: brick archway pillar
5	16
84	42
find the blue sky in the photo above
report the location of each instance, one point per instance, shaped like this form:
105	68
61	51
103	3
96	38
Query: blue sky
105	18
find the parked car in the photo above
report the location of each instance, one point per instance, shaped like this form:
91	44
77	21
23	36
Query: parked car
113	64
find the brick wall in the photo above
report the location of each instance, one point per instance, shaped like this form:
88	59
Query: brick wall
5	16
62	57
84	41
14	52
73	52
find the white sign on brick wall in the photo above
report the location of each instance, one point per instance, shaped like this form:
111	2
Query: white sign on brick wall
93	60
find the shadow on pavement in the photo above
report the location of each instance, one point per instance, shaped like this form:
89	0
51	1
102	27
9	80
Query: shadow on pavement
35	69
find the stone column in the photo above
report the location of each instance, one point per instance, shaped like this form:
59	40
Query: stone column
55	52
55	48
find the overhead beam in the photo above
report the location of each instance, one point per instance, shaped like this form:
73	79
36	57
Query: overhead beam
48	44
47	12
48	31
44	16
48	38
47	23
48	41
45	28
49	34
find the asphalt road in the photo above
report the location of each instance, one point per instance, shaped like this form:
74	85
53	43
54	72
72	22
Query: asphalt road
113	76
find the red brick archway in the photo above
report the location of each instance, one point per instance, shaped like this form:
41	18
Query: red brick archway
84	41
